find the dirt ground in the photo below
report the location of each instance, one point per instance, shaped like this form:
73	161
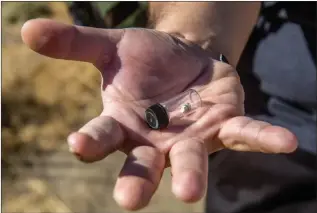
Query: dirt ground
40	106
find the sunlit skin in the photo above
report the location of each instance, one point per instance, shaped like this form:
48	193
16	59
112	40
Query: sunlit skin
140	67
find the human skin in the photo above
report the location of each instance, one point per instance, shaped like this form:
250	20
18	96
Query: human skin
219	27
140	67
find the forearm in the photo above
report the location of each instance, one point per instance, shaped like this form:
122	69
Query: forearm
221	27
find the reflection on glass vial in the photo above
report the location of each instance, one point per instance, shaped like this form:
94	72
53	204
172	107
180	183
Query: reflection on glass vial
159	115
186	108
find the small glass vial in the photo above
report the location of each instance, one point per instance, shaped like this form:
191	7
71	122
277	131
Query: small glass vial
160	115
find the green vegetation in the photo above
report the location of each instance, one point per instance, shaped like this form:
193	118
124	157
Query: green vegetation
19	12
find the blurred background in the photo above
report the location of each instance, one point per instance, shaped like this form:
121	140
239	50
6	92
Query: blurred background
43	100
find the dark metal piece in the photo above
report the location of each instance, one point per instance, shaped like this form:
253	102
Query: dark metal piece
156	117
223	59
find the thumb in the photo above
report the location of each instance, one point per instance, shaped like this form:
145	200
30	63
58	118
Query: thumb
98	138
70	42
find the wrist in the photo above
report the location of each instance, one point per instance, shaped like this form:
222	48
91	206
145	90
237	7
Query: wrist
204	42
196	36
216	27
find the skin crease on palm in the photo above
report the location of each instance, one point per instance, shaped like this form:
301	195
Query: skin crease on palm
140	67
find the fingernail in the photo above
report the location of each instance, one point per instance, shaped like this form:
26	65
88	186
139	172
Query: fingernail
71	143
70	149
78	156
81	158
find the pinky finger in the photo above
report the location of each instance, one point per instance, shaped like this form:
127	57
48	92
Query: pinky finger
246	134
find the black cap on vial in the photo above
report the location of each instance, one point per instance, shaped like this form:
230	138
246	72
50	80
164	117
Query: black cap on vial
156	117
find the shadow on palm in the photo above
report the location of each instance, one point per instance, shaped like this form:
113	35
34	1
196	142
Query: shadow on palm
147	68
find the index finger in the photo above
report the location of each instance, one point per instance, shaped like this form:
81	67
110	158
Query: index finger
70	42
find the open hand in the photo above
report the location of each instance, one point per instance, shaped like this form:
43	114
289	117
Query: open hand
140	67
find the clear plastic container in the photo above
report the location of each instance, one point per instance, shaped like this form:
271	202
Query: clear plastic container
160	115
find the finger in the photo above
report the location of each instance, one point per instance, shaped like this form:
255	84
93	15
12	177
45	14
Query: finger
139	178
98	138
246	134
62	41
189	164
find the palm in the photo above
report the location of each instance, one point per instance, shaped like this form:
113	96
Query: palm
157	68
141	67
